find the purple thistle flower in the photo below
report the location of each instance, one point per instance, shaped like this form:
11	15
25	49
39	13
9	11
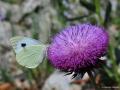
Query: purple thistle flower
78	48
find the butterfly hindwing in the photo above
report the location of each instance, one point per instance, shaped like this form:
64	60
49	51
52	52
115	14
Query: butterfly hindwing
31	56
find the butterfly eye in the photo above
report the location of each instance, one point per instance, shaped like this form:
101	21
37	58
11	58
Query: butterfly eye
23	44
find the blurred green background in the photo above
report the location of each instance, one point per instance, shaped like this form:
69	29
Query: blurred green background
42	19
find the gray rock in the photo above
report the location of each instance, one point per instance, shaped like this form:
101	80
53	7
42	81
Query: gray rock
5	33
29	5
4	7
58	81
16	13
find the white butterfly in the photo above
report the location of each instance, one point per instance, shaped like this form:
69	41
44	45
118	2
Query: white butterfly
29	52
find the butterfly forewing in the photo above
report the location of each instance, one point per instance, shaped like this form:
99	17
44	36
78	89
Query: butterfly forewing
15	40
18	41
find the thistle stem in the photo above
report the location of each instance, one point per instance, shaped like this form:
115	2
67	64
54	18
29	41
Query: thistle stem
92	80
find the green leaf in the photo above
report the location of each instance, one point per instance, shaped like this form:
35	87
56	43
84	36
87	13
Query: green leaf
89	6
97	6
107	13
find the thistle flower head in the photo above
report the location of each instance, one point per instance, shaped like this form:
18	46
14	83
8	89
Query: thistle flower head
78	47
